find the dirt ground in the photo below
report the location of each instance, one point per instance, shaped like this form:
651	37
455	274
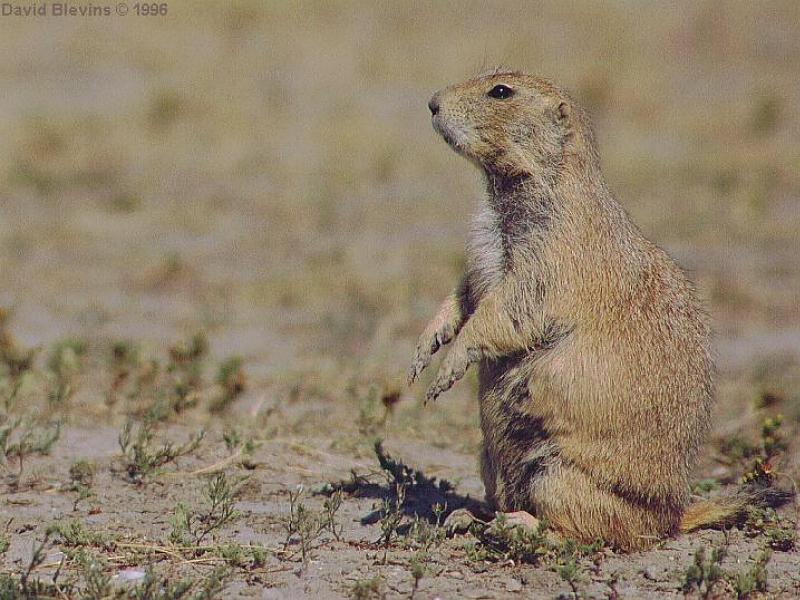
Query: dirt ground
235	219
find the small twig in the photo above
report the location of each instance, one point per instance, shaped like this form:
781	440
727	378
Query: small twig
219	466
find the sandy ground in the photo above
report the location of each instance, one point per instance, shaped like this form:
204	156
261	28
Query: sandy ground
267	175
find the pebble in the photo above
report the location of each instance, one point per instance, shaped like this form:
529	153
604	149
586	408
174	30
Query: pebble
131	575
513	585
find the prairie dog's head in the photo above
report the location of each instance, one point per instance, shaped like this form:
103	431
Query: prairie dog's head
509	123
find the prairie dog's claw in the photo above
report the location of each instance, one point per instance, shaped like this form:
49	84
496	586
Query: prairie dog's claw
429	343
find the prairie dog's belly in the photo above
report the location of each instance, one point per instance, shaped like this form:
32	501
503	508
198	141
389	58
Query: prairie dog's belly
516	446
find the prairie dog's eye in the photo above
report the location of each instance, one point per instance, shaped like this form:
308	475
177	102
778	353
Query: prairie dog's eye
501	92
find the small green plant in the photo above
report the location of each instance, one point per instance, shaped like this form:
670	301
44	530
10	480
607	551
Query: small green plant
305	527
704	486
424	534
570	571
367	589
63	364
192	528
370	419
18	439
781	534
142	458
97	583
782	537
15	361
704	572
245	447
221	497
154	587
418	569
28	585
73	533
187	360
504	542
772	443
754	579
392	517
81	475
252	556
231	380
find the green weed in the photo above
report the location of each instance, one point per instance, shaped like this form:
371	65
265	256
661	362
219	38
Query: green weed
367	589
305	527
142	458
704	572
231	379
754	579
192	528
63	364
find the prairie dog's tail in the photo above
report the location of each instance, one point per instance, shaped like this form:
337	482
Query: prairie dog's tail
730	510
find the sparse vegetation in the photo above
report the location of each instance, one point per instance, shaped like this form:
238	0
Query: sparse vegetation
238	222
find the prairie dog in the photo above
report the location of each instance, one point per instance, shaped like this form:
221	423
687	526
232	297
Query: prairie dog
592	347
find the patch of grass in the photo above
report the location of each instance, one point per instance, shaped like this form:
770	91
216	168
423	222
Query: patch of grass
704	486
142	458
780	533
424	534
74	534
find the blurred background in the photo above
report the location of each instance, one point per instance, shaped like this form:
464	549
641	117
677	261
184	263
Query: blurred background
266	172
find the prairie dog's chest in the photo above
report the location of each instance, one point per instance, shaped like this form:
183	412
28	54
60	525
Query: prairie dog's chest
487	259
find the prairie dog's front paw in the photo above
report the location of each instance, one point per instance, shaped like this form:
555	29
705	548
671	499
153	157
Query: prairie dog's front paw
438	333
453	368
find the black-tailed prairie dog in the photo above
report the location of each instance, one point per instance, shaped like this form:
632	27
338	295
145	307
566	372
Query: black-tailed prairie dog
592	348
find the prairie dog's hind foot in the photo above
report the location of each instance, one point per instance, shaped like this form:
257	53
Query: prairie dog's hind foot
461	520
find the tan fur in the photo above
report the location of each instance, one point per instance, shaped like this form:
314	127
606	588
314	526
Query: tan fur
593	351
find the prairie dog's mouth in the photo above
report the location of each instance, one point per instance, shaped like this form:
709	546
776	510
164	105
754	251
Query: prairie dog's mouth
453	134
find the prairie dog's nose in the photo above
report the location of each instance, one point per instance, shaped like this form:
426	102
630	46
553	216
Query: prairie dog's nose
433	104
